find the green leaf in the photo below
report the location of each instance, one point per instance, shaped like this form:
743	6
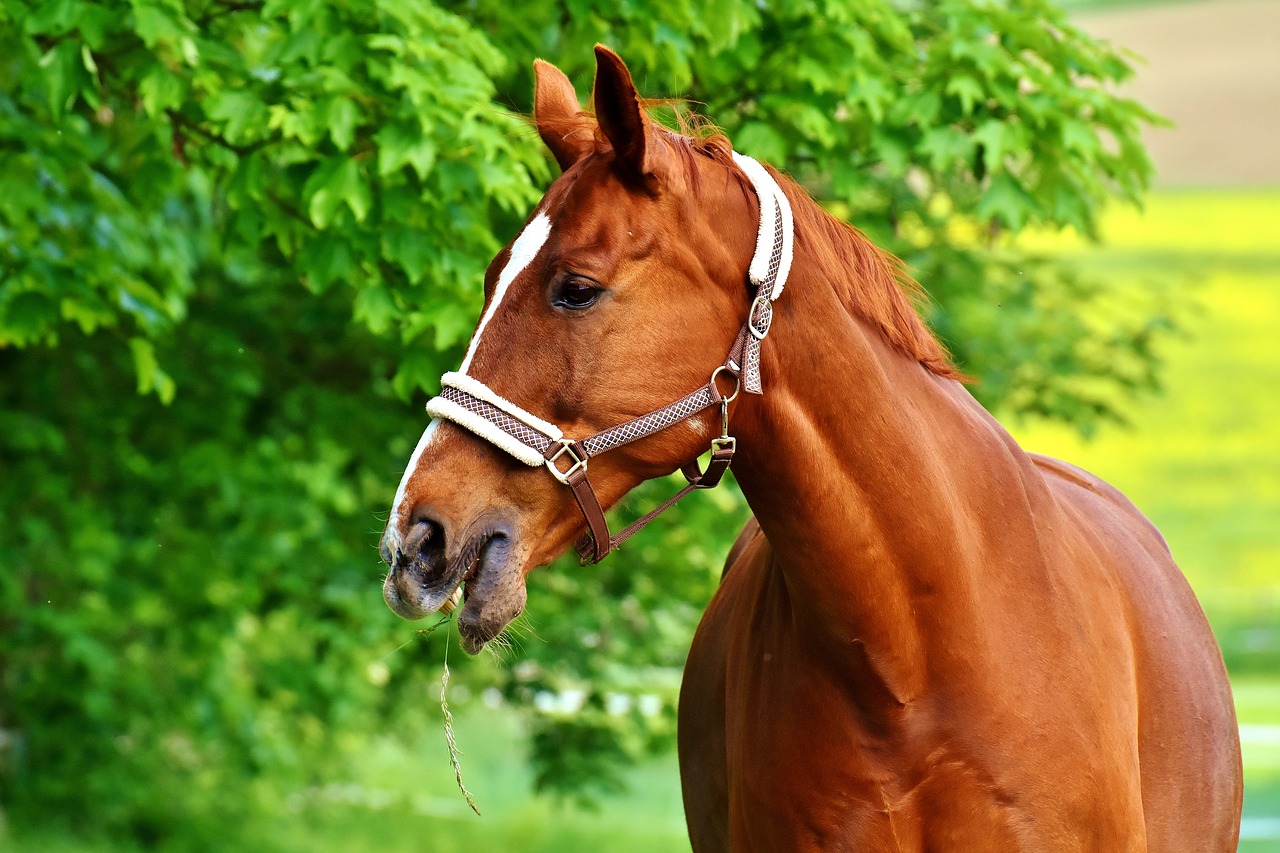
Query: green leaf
53	16
155	25
967	89
27	317
762	142
150	376
1078	136
242	113
161	90
337	181
325	261
399	144
343	117
1007	202
992	135
376	308
411	250
945	147
62	72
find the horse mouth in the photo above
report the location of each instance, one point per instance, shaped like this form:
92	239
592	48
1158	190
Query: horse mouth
481	577
493	594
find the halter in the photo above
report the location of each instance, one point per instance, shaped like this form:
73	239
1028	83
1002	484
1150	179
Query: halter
469	403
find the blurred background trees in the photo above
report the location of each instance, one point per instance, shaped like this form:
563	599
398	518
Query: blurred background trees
239	242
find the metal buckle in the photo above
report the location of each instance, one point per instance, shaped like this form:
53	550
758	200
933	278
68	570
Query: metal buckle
723	442
764	305
579	462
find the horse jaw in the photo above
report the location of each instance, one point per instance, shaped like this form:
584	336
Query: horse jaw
494	595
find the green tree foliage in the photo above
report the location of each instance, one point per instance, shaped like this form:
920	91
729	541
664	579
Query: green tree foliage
236	238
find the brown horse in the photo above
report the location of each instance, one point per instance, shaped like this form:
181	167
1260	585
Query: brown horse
927	638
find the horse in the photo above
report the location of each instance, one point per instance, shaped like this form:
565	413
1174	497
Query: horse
926	638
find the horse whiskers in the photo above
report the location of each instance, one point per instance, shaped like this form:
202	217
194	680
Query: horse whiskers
500	647
523	626
509	639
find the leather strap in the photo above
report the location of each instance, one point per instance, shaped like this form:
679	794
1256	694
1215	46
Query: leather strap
596	544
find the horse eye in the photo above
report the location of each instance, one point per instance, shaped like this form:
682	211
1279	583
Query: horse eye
576	294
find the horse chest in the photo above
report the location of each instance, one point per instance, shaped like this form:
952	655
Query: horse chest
781	753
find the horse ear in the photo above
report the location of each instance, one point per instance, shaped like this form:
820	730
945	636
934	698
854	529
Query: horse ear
556	112
621	119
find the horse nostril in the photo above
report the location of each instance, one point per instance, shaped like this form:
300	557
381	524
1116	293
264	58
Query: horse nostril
425	534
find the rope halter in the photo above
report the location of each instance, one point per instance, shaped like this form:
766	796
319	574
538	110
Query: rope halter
473	405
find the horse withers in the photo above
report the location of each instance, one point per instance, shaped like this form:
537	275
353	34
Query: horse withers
926	638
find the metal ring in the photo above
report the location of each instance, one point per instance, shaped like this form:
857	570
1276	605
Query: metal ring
737	383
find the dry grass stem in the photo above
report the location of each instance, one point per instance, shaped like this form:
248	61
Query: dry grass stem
454	752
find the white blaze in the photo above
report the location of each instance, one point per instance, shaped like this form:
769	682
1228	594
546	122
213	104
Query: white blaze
523	251
393	523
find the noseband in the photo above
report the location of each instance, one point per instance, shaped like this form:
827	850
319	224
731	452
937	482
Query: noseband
471	404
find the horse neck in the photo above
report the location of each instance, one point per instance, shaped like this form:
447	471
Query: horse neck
879	485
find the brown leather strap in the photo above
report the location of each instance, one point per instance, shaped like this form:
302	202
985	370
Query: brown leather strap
594	546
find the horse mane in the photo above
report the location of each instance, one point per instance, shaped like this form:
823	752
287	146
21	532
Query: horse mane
878	288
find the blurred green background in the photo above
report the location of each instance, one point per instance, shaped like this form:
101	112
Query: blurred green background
240	241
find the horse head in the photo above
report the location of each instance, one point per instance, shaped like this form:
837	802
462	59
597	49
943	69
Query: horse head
623	291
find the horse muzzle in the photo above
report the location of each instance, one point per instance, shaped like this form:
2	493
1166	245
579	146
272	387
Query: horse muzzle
430	573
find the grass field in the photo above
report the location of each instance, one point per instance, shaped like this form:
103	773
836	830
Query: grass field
1202	460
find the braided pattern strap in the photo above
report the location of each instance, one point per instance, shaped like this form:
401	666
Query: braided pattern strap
770	265
491	423
762	308
758	323
682	409
502	427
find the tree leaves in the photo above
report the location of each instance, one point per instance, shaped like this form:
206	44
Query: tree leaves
336	181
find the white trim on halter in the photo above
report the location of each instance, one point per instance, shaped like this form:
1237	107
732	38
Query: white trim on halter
441	408
768	191
451	411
